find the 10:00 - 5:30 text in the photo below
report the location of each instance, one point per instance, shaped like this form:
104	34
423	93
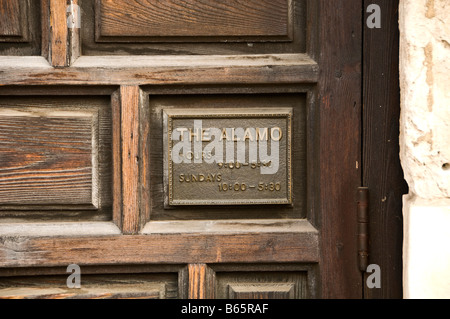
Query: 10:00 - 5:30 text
242	187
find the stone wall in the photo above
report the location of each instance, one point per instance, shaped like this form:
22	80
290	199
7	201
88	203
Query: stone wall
425	145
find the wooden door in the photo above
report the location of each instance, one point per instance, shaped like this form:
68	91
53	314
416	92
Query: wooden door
85	174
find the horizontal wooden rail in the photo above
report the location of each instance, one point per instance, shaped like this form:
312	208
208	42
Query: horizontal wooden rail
259	243
136	70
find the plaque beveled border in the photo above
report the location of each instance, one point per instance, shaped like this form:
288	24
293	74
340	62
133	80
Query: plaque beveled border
170	114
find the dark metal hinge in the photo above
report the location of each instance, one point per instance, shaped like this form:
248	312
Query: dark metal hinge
363	228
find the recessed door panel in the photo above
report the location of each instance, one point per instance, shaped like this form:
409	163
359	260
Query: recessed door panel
223	178
264	285
20	27
56	156
112	286
193	27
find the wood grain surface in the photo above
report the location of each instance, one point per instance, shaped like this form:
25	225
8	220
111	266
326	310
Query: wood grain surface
262	285
20	27
193	27
382	170
10	19
255	245
340	108
112	286
59	49
201	281
55	154
46	157
262	69
200	18
130	97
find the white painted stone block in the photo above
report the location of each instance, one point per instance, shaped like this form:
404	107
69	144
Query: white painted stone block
426	269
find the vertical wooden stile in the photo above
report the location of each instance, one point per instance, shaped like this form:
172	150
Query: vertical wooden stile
58	34
130	98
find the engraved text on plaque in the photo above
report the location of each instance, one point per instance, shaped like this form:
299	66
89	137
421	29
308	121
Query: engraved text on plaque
227	156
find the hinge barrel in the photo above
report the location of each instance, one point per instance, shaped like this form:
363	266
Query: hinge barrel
363	228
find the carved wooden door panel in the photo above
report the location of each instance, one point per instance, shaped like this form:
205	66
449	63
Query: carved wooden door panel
180	149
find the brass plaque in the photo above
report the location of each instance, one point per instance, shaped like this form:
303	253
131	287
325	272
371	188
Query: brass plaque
227	156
